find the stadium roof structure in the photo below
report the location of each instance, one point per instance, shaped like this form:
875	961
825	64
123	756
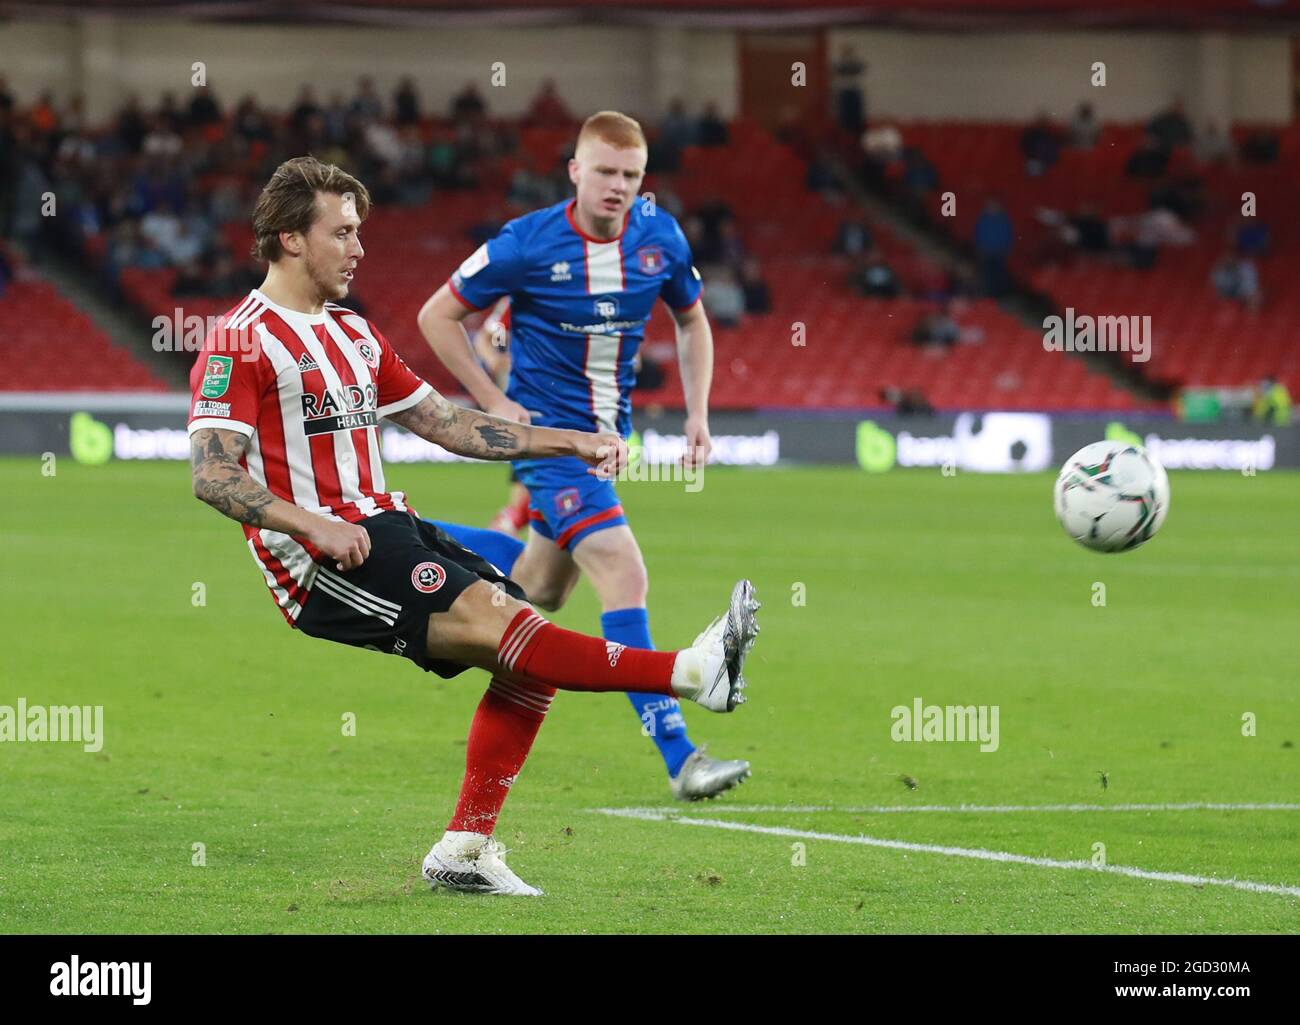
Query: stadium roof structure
937	14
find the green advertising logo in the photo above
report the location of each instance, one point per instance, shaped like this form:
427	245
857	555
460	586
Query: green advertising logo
876	448
216	376
89	441
1116	431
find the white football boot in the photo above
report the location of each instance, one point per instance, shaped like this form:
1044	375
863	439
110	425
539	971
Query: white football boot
473	863
702	777
709	672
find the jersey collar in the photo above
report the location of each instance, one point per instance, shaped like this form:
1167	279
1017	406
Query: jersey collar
292	316
573	223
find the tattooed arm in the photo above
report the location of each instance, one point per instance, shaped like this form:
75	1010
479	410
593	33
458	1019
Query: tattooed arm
222	483
468	432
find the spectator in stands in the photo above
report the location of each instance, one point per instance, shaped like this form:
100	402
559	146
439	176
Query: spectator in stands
711	130
1250	236
1236	277
919	175
6	268
169	113
1040	144
758	297
6	102
548	109
1170	127
874	278
163	140
468	105
676	132
366	104
406	103
1091	231
334	121
853	237
131	126
1149	160
304	110
250	122
1084	127
204	109
907	401
1212	146
821	176
850	107
1272	403
935	329
994	237
43	117
723	298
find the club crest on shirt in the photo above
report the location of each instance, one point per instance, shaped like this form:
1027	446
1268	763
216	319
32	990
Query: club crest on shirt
650	259
369	352
568	501
428	577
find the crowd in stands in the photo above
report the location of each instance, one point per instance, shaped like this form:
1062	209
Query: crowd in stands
1176	203
157	186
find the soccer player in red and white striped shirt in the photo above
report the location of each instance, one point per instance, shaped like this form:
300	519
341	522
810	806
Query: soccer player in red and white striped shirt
288	392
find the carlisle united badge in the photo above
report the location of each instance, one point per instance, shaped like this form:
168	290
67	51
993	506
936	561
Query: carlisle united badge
650	259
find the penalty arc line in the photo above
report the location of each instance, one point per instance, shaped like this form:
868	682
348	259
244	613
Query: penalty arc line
975	853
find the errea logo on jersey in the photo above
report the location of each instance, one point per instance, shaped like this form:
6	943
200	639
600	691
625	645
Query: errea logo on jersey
560	271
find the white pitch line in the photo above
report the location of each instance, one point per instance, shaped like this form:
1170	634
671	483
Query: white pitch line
976	853
995	809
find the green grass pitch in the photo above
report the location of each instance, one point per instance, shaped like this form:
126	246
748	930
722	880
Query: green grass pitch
224	728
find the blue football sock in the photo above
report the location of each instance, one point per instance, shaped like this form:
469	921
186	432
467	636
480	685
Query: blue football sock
500	549
661	716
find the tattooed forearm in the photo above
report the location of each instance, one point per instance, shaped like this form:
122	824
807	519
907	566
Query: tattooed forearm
220	481
465	431
498	437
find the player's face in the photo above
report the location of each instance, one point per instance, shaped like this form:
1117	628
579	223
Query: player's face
608	178
333	246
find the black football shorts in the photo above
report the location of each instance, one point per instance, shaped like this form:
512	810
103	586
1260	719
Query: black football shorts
413	571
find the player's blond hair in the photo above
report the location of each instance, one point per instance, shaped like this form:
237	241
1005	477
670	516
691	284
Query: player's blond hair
288	201
619	130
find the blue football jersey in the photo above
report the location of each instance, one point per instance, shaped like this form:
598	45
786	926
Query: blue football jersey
578	307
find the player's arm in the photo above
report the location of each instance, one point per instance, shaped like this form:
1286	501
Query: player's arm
440	321
222	483
695	360
468	432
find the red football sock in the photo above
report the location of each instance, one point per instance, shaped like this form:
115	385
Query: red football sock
500	738
572	661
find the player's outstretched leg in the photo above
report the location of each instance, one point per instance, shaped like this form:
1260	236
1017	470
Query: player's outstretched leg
531	658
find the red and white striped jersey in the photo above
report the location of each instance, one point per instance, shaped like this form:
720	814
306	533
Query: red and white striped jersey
309	391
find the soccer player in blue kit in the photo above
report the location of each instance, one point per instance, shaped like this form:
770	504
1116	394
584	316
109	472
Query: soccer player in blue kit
583	277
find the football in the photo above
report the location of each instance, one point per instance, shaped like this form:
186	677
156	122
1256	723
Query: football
1111	496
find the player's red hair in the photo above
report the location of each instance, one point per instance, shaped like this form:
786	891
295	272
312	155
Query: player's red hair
619	130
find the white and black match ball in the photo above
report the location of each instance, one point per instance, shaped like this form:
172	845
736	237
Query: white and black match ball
1111	496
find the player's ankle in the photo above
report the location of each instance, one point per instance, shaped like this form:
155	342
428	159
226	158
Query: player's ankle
688	674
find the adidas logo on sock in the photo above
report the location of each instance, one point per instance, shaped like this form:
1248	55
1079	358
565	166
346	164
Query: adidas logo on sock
307	363
613	651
